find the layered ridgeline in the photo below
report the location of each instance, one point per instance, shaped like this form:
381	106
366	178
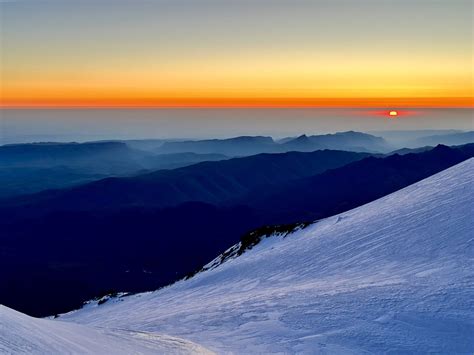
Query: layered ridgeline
337	190
420	138
28	168
135	243
448	139
240	146
394	275
211	182
238	180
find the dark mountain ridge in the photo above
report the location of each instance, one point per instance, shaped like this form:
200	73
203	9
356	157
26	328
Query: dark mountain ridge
29	168
211	182
238	146
242	146
354	184
351	141
60	153
447	139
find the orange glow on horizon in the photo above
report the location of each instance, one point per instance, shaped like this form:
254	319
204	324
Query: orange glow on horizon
257	54
425	102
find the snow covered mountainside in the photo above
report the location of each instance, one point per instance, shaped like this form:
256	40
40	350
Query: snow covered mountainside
395	275
20	334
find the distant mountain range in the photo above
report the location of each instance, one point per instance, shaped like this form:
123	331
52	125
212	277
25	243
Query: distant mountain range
447	139
210	182
34	167
351	141
143	232
240	146
354	184
100	157
28	168
420	138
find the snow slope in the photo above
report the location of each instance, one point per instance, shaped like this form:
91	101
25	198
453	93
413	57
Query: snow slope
20	333
395	275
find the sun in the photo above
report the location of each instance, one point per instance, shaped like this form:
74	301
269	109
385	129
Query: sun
393	113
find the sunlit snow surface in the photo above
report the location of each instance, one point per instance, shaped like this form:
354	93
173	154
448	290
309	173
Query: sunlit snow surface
20	333
395	275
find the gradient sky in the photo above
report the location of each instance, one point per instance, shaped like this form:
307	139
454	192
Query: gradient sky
236	53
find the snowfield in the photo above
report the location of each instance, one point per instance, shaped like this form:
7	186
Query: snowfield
395	275
20	334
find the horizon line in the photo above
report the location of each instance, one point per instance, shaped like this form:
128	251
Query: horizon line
395	102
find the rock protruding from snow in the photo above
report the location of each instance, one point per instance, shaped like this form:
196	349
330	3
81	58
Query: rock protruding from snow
395	275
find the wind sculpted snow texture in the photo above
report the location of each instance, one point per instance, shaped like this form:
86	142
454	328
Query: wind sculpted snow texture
395	275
